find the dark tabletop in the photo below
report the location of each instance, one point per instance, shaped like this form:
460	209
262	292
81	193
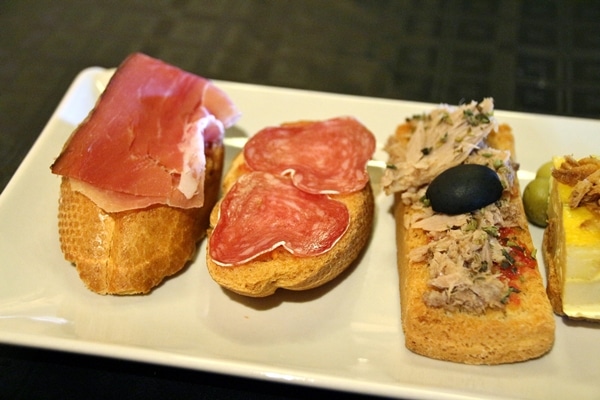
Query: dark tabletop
534	56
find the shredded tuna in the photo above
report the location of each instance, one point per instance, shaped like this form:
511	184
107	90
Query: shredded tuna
476	296
440	222
498	160
460	253
461	249
440	140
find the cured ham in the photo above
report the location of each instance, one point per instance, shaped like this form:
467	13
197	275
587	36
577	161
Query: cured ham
255	217
144	142
321	157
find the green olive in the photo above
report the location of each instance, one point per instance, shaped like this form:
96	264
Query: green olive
545	171
535	201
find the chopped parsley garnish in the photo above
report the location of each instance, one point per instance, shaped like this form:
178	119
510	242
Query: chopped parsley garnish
476	119
491	230
484	266
446	119
508	259
444	138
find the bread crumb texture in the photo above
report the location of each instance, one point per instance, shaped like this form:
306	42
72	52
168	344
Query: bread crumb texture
131	252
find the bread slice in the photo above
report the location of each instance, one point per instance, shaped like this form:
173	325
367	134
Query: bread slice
570	245
522	330
131	252
262	276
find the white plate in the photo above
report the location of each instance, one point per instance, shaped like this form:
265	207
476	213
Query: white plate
345	335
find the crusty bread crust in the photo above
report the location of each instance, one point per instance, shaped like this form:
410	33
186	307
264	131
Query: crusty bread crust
131	252
553	271
280	269
552	250
520	332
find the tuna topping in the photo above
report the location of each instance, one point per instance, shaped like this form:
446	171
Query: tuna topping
466	253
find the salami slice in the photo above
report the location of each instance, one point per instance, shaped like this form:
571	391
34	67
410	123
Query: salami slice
263	211
321	157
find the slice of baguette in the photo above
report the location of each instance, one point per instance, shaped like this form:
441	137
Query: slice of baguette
262	276
517	333
131	252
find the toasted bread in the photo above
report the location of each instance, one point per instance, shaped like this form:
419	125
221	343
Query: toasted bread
519	333
279	268
131	252
520	330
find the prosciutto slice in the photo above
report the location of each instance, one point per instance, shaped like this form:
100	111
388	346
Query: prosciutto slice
321	157
255	217
144	141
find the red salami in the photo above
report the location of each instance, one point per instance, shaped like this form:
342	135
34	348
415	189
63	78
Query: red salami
263	211
321	157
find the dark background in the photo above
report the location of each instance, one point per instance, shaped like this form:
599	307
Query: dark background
531	56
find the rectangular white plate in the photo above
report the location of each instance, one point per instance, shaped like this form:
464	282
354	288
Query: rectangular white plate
345	335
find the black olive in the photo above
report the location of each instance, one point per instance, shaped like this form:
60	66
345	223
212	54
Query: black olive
464	188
